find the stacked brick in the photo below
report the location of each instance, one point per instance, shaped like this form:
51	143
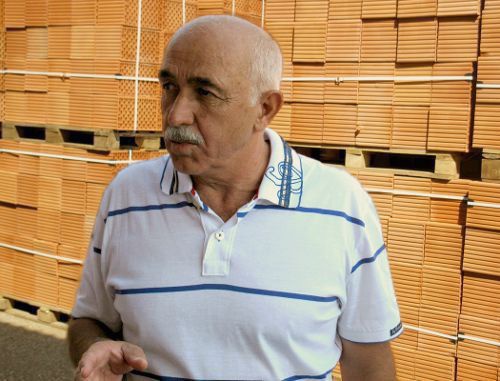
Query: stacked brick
488	99
2	59
341	38
487	110
48	205
95	38
480	314
424	233
85	37
250	10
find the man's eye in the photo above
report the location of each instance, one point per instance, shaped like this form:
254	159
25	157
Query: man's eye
201	91
168	86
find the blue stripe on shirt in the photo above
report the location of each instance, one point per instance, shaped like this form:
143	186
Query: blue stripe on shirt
327	212
146	208
167	378
369	259
227	287
301	377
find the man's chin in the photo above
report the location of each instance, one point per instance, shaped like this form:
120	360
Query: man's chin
186	164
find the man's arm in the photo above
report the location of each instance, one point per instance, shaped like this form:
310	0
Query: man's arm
97	356
84	332
363	361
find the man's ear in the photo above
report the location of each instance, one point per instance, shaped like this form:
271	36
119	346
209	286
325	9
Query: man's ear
270	103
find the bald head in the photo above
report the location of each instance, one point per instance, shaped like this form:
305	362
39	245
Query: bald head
236	42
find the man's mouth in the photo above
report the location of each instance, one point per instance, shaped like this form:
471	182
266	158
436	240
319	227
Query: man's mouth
184	141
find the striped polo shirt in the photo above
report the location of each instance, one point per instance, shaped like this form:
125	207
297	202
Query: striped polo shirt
265	295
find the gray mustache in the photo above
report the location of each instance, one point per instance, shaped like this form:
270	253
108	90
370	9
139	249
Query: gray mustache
183	134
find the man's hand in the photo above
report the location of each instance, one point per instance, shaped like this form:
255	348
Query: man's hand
109	360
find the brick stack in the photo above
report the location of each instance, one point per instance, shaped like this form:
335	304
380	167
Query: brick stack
247	9
487	108
2	59
377	38
86	37
424	237
97	37
49	205
480	314
488	99
172	13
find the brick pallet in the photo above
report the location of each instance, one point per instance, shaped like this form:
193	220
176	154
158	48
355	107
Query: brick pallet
94	38
48	205
369	39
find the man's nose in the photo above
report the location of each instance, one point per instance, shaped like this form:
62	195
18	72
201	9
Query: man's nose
181	112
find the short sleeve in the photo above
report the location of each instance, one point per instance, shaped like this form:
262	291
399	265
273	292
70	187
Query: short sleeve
370	313
94	299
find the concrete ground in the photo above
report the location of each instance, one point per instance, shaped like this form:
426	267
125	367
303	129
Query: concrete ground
31	350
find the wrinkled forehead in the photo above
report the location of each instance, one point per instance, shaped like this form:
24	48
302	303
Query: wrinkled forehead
204	55
187	60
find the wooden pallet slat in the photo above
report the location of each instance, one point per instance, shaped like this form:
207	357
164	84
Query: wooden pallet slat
95	139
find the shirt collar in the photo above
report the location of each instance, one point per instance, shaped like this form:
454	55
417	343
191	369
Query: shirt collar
283	179
281	184
174	181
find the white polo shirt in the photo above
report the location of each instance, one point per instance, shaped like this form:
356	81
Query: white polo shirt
263	296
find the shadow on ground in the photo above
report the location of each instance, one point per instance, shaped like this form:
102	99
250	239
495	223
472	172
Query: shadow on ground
27	355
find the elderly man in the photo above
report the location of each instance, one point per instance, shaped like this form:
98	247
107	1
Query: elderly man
232	258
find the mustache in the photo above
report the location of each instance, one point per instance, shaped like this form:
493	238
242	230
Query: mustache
183	134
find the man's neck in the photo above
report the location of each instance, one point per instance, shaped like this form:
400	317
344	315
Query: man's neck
234	187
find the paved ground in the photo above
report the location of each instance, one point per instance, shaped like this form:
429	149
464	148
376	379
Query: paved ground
31	351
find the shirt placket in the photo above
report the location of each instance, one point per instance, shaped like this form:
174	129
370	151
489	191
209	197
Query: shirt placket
219	239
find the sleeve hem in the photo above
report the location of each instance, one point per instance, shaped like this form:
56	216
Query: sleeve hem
79	313
369	337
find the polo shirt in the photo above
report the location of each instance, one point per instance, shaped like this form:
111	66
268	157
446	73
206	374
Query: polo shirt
265	295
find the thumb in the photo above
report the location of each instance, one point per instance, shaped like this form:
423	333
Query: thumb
134	356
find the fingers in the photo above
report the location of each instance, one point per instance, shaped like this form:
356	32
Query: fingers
87	364
106	360
78	374
83	372
134	356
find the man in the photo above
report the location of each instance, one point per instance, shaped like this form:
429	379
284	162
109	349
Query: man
233	258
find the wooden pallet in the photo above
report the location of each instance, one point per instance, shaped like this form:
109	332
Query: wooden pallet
44	313
410	163
94	139
490	165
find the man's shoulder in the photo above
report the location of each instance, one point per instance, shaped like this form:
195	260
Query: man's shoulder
141	170
140	175
324	174
135	184
330	187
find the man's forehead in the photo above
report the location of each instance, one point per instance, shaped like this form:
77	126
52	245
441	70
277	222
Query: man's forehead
189	57
200	49
180	64
177	70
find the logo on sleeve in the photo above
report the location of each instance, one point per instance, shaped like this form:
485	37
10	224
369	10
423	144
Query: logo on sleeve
396	329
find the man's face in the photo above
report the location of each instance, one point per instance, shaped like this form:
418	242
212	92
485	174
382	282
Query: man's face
207	113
